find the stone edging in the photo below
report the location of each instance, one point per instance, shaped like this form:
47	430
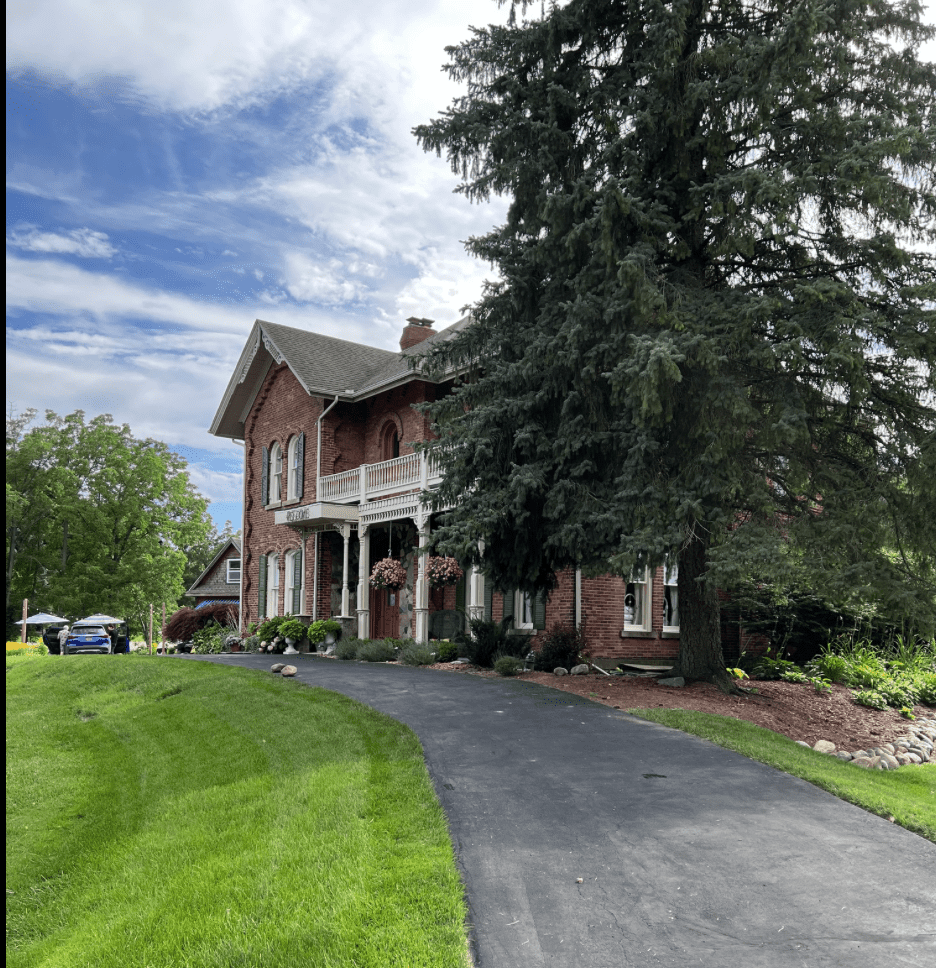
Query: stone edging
918	745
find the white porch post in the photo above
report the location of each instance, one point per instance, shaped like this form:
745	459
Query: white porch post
363	591
421	591
476	590
345	530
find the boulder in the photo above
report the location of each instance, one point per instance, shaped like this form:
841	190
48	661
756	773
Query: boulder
674	682
579	670
824	746
864	761
559	671
288	670
277	667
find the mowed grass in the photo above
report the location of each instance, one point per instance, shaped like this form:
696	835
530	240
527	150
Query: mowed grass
165	814
907	795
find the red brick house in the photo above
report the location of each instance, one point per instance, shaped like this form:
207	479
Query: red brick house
220	581
332	485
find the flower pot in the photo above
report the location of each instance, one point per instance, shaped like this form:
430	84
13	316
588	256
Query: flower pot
235	647
290	647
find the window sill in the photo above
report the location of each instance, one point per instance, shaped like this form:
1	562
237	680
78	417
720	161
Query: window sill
530	632
672	633
290	501
638	634
272	505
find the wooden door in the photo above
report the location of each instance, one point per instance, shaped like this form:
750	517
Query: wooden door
385	613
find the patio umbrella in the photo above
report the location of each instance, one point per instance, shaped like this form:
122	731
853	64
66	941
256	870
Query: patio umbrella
44	618
104	619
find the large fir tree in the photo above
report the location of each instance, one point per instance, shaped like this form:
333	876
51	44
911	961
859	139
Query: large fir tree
713	334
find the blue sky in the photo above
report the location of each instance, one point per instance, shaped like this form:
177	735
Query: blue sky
175	170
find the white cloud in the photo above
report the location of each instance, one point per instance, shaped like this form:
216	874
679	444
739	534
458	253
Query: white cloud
312	281
81	242
217	485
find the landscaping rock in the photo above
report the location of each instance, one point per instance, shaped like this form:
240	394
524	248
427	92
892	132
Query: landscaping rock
801	742
289	670
559	671
824	746
675	682
277	667
864	761
579	670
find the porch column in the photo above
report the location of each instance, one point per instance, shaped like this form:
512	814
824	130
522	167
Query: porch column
345	530
363	589
476	590
421	591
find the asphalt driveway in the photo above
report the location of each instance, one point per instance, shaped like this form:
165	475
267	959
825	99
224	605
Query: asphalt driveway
589	838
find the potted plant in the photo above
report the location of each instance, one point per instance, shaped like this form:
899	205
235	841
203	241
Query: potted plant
388	573
293	631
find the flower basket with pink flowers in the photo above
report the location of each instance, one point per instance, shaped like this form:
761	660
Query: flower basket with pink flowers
388	573
442	571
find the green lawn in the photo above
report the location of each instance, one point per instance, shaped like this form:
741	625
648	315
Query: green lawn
908	794
162	813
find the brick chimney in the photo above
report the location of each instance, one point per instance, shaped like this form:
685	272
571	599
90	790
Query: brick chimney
416	331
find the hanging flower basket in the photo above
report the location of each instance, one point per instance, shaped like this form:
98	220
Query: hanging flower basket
388	573
443	571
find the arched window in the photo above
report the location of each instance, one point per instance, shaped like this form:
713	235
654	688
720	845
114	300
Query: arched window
295	582
389	442
273	582
276	474
294	459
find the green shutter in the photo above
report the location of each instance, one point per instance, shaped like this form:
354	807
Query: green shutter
300	464
297	582
488	599
265	477
539	611
509	598
460	593
261	603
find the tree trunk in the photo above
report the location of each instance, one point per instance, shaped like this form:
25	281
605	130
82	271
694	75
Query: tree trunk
700	650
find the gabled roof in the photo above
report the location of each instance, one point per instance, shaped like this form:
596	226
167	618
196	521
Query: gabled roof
231	542
323	365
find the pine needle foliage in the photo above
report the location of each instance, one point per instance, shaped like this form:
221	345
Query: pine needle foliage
714	305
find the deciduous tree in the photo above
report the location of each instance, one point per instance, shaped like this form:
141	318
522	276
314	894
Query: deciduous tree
712	336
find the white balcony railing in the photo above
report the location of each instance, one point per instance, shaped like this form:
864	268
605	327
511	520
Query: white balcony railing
370	482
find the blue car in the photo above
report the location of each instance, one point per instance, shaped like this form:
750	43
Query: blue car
87	637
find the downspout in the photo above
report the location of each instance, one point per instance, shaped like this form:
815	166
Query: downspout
318	491
243	531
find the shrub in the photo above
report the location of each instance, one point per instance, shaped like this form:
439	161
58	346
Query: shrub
485	639
208	640
507	665
925	684
794	675
871	698
270	627
251	643
183	624
317	631
416	654
829	665
562	645
376	650
769	667
446	651
348	648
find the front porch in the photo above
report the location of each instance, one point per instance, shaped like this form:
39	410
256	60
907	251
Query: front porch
407	610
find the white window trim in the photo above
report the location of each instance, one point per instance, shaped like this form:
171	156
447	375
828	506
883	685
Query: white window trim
275	496
292	477
643	587
670	584
521	599
237	571
273	575
290	567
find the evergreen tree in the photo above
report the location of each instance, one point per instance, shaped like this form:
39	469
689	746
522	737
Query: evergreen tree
712	337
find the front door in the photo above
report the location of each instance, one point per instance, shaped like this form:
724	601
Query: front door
385	613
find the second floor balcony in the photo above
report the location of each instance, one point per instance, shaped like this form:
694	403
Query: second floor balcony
370	482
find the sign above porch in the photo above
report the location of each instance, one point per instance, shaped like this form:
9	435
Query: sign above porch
317	516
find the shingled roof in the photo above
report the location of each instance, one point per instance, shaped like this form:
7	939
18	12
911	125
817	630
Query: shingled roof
323	365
